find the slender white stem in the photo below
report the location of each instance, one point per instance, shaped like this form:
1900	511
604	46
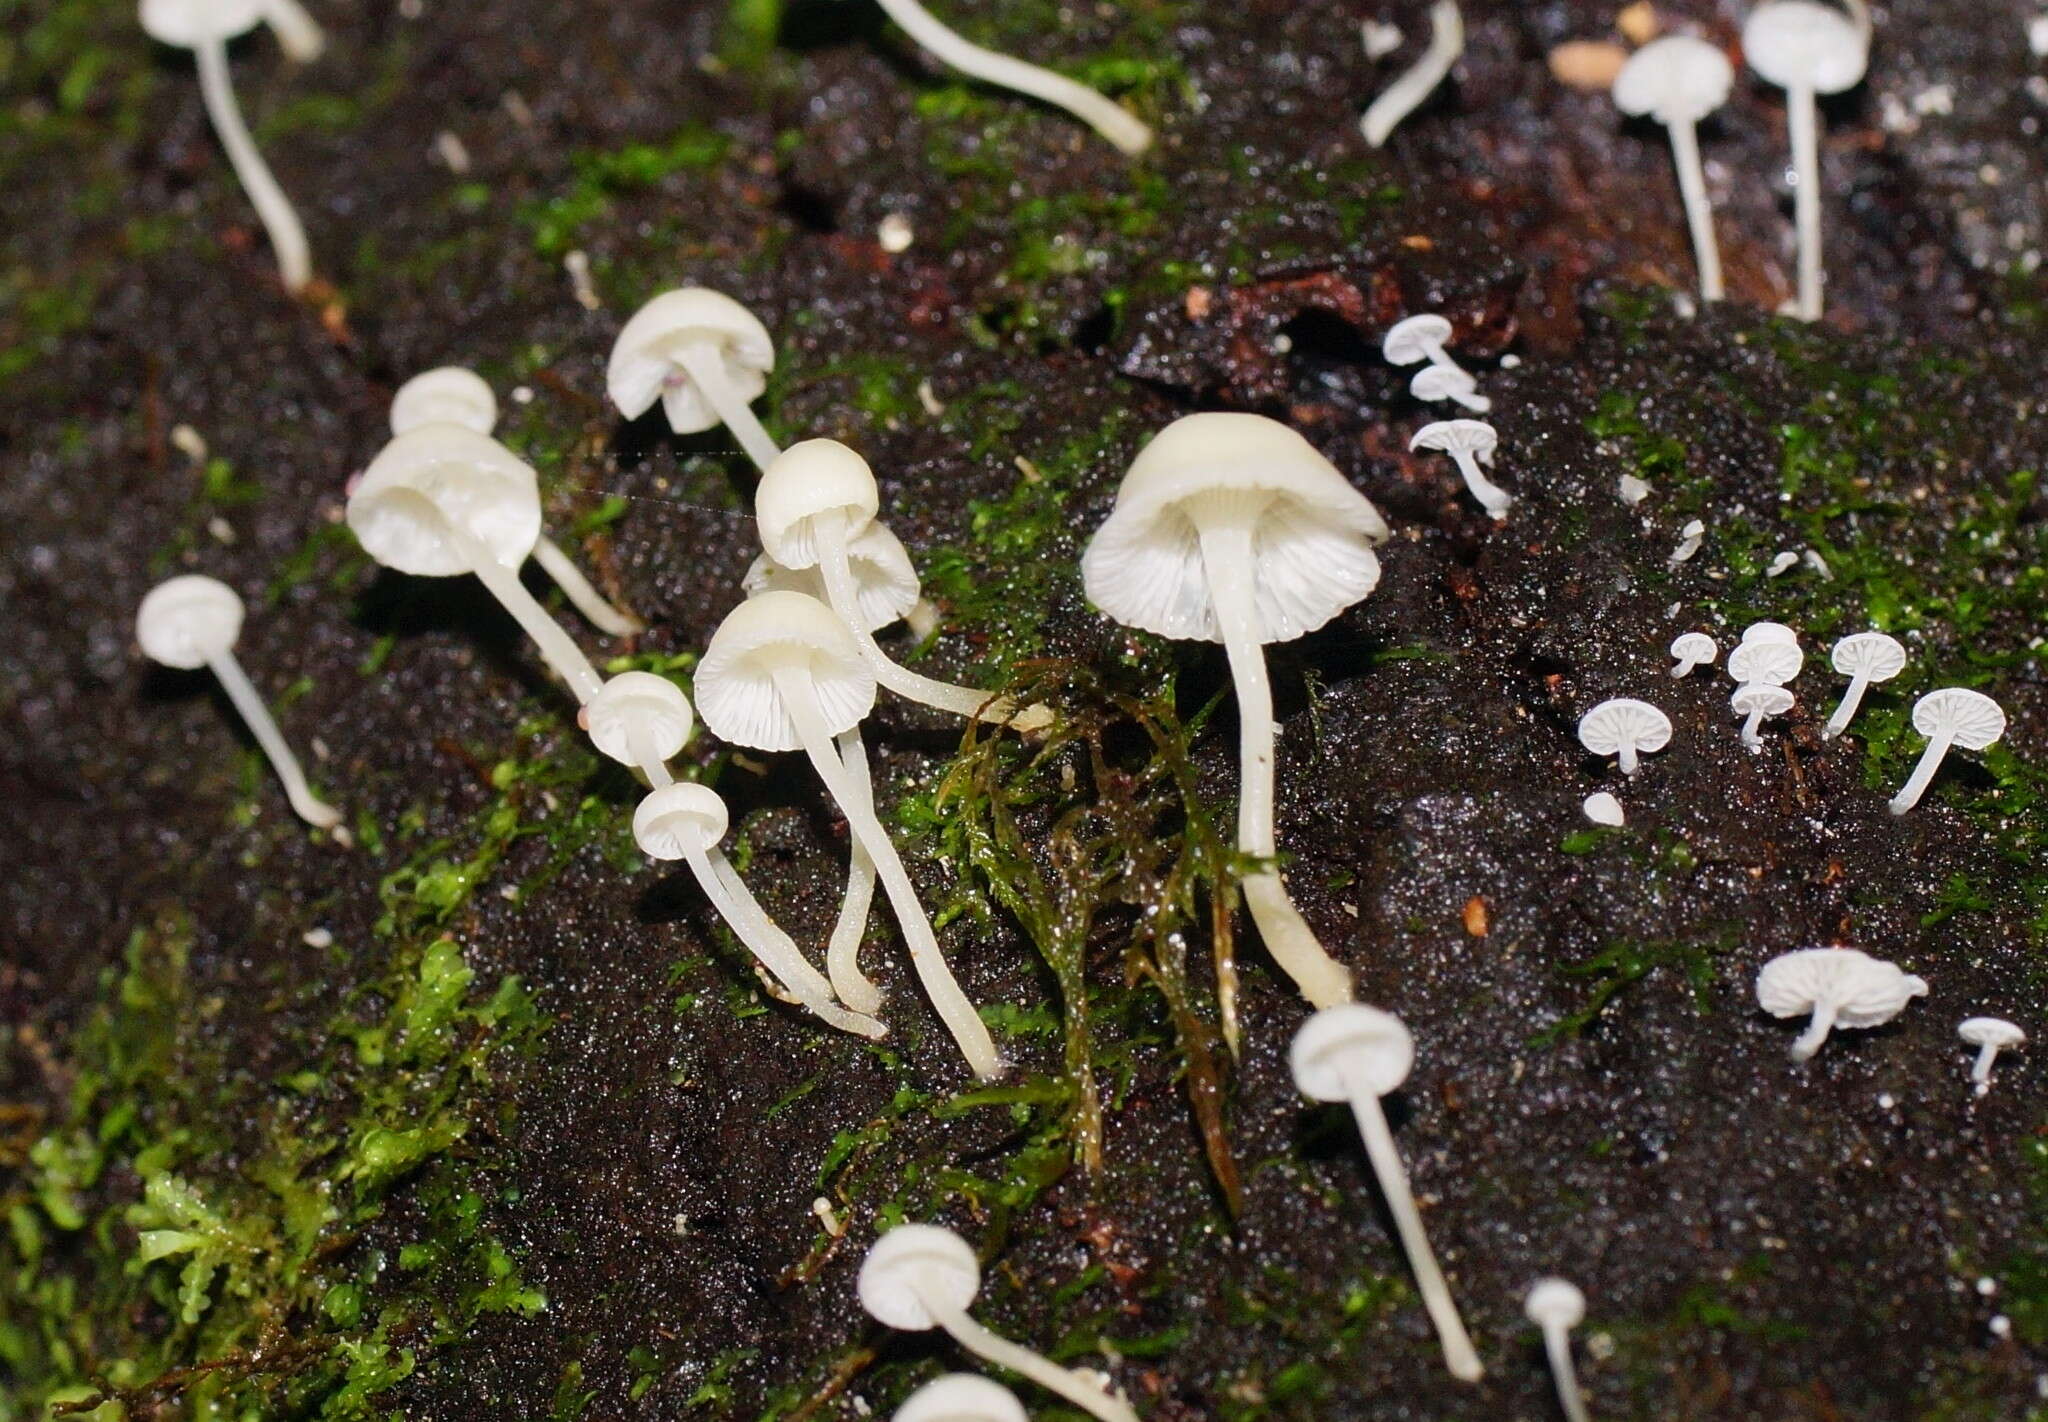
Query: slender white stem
1699	212
287	236
1852	699
582	595
1064	1382
557	648
704	365
1752	729
1816	1032
640	745
1105	116
298	34
1923	774
842	956
1459	1355
1494	499
1981	1072
1557	1342
1803	118
970	1033
1405	94
240	691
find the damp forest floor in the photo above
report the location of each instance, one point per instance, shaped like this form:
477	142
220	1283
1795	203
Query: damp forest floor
470	1112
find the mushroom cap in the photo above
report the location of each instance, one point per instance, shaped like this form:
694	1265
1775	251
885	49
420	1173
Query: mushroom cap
1677	79
1350	1045
1767	697
187	24
1991	1032
450	395
444	472
1696	647
636	699
188	621
1603	809
675	816
1970	719
643	366
1798	44
805	480
1869	654
884	579
962	1397
1442	382
1555	1303
1769	632
1407	342
1312	542
911	1260
1624	722
1770	663
1865	991
1474	437
735	682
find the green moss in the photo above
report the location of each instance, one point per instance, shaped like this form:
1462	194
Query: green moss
556	222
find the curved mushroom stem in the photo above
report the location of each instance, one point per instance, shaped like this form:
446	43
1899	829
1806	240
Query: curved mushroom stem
830	531
582	594
1852	700
1980	1072
1227	557
298	34
1459	1355
1494	499
1405	94
1699	213
1752	731
983	1343
1557	1343
557	648
1106	117
970	1033
1684	667
287	235
701	363
1803	119
1816	1033
236	683
842	957
1923	773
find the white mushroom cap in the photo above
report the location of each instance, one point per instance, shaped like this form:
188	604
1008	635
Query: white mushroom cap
1448	382
643	367
1409	341
450	395
1555	1303
884	578
1624	723
187	24
1603	809
1769	632
962	1397
678	816
1767	697
913	1260
1677	79
1871	655
1474	437
1695	647
444	472
1864	991
187	622
804	481
1991	1032
1772	663
637	700
1797	44
1968	718
1350	1047
1314	538
735	682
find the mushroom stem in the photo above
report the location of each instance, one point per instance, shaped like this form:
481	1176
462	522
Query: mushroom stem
1852	699
1752	731
1106	117
582	595
1923	773
1626	754
980	1341
705	369
557	648
1981	1071
1405	94
1699	213
1816	1034
1228	558
287	235
298	34
1557	1343
970	1033
1803	120
842	956
240	691
1494	499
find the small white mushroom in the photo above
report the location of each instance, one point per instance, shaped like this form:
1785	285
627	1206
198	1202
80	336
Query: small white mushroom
1864	658
1625	728
1840	987
918	1277
194	621
1693	649
1953	716
1690	539
1758	700
705	357
1434	383
1402	97
962	1397
1769	632
642	720
1416	339
1990	1036
1357	1054
1470	443
885	581
1603	809
1557	1307
1679	80
1767	662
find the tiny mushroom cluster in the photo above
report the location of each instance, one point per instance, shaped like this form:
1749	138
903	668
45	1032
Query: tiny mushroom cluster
1425	338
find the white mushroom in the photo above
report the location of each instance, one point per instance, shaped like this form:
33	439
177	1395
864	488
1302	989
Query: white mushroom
918	1277
705	357
1769	632
1990	1036
1693	649
1953	716
642	720
1625	727
1416	339
194	621
1436	383
962	1397
1402	97
1603	809
784	673
1806	49
1232	528
1840	987
1357	1054
1105	116
1557	1307
1679	80
1470	443
1767	662
885	582
1864	658
1758	700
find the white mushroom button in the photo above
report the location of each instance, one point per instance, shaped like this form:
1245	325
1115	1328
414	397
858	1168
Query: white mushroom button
1603	809
1866	658
705	357
642	720
1556	1306
1990	1036
918	1277
194	621
961	1397
1470	443
1692	649
1756	701
1838	987
1679	80
1402	97
1625	728
1953	716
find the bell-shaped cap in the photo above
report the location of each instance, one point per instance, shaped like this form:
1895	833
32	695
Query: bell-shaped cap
735	682
808	479
884	579
188	621
1676	79
1769	632
1863	991
913	1262
187	24
1350	1047
1312	533
1555	1303
640	701
1798	44
438	475
450	395
962	1397
679	817
644	367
